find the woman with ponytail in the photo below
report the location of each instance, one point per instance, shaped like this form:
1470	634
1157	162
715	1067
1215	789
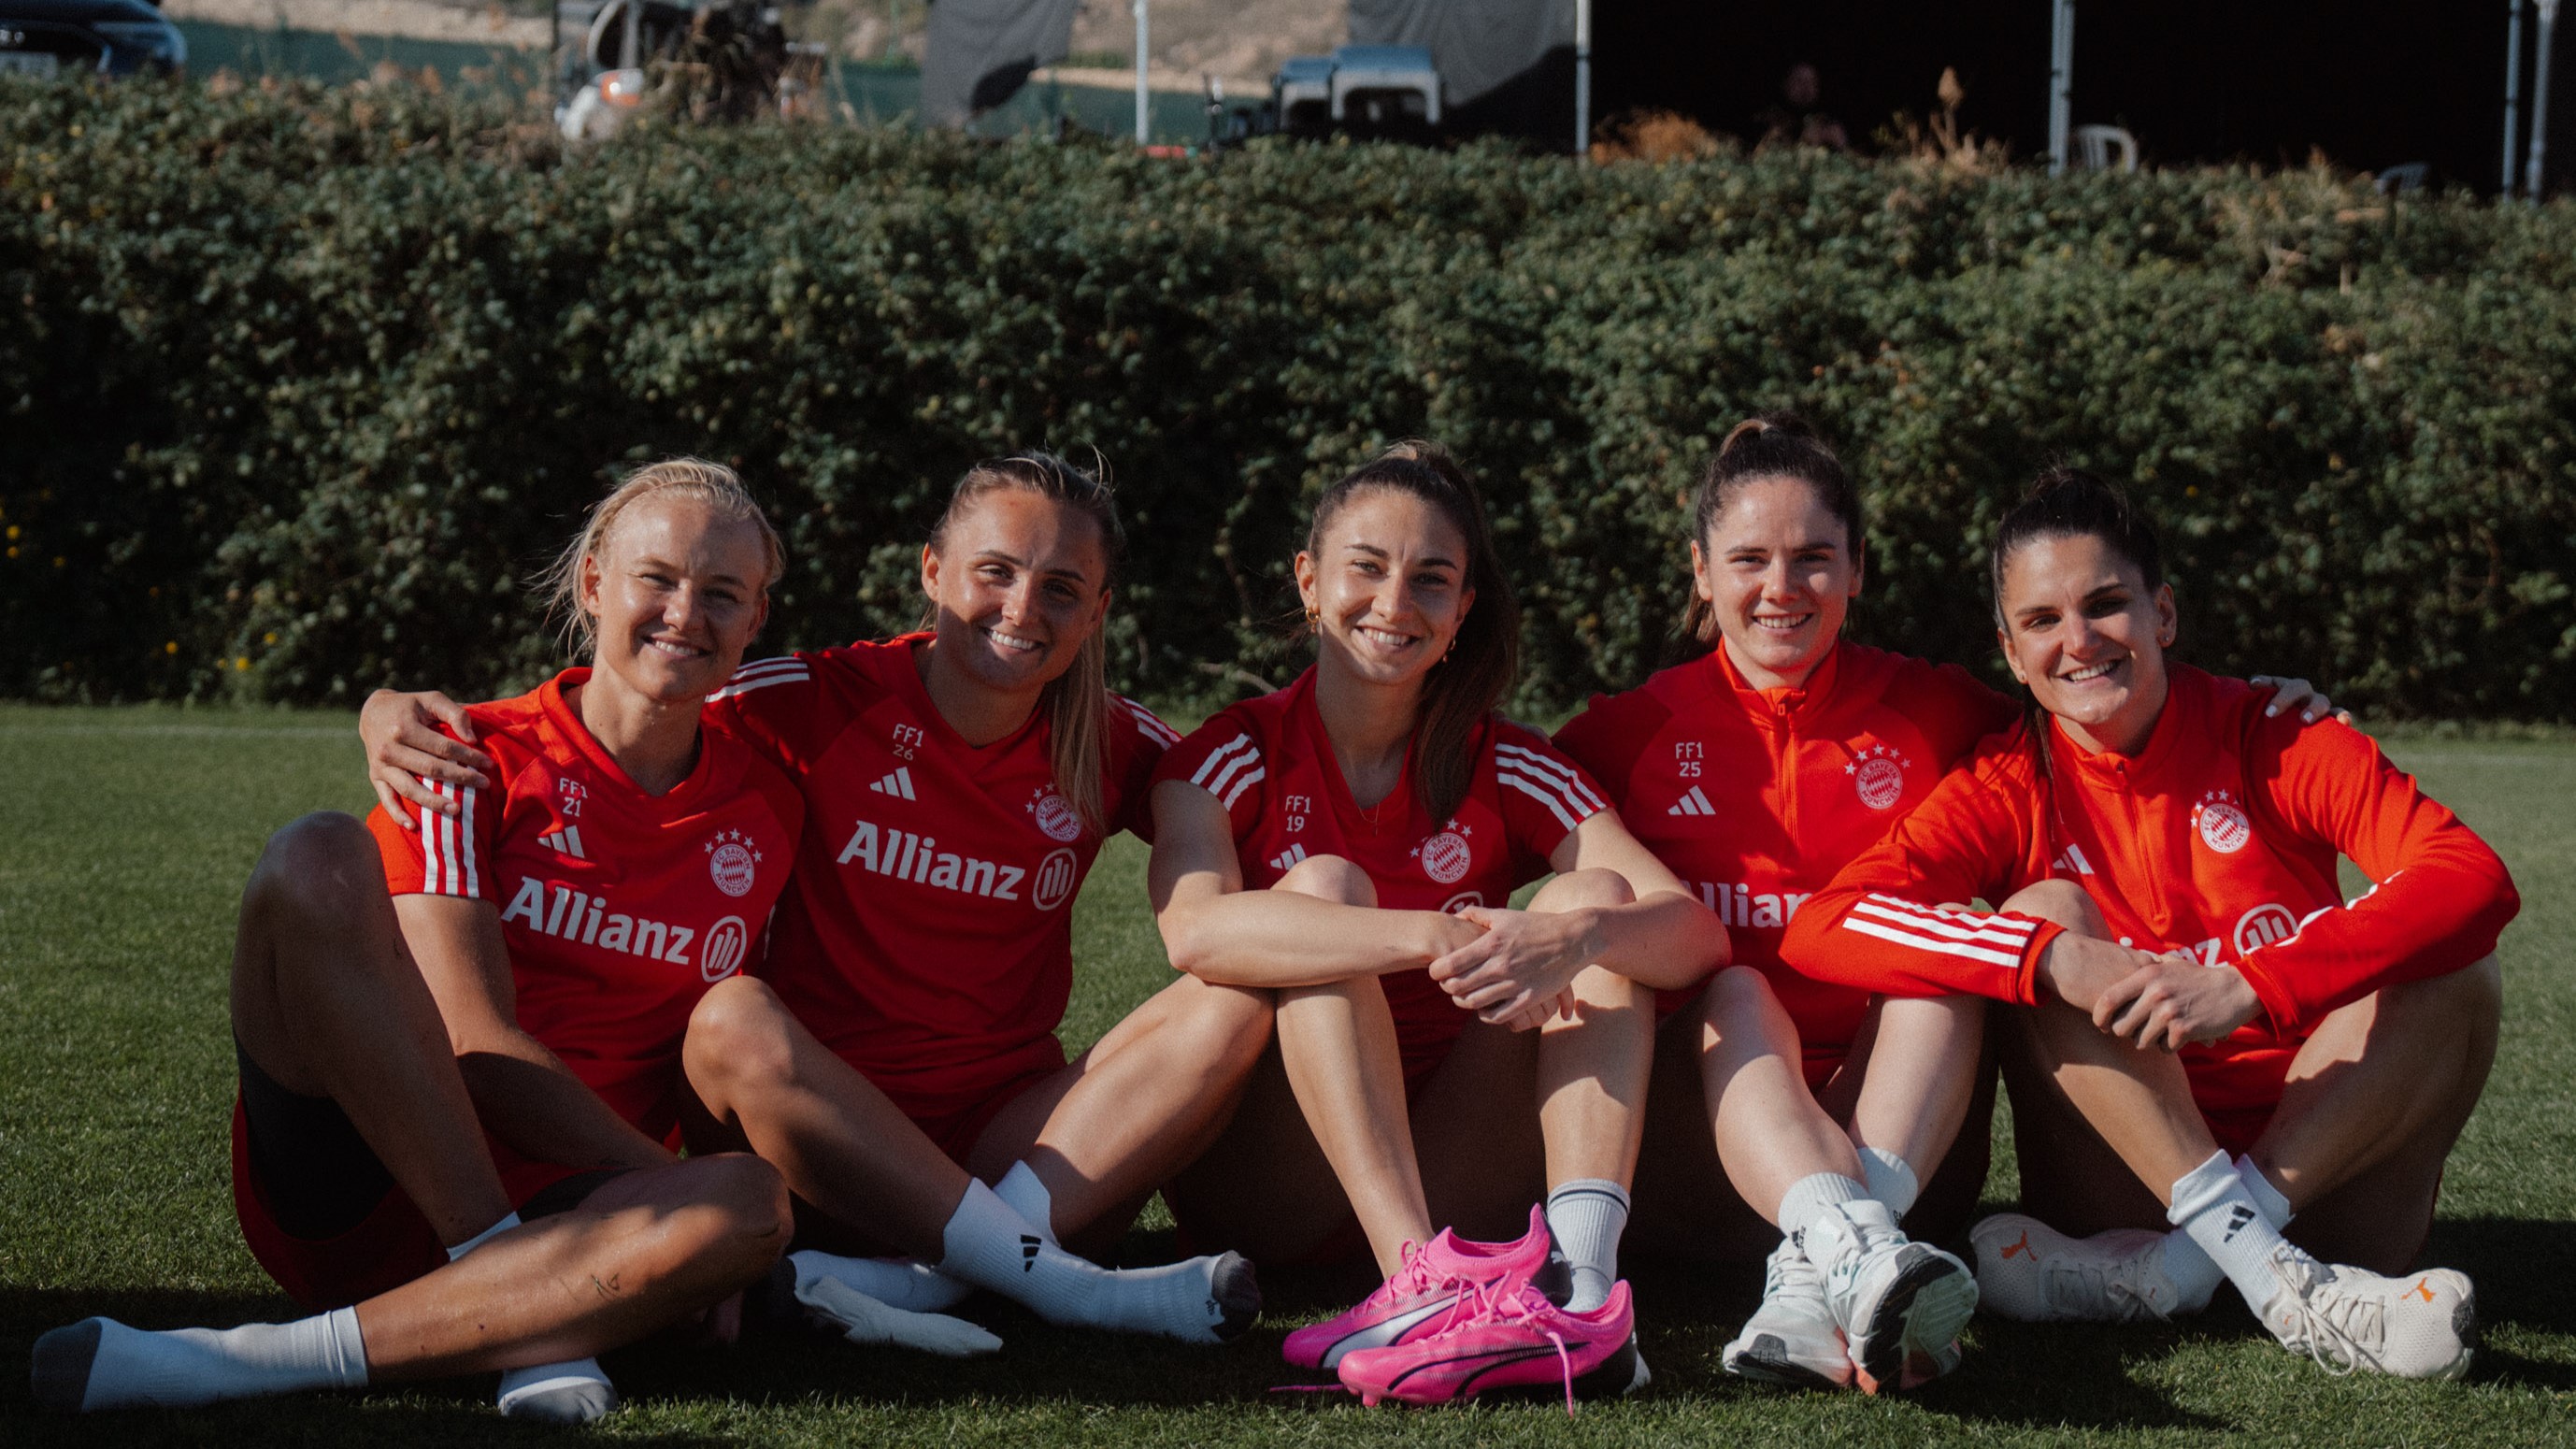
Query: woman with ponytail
1350	845
897	1056
2220	1070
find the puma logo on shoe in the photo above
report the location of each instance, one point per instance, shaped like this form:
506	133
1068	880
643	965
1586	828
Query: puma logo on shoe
2022	1246
2423	1289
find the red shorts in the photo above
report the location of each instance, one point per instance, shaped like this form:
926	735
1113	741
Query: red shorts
956	1128
391	1246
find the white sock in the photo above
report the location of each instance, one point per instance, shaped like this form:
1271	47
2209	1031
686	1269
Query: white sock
2192	1270
913	1286
2211	1205
1029	1198
993	1247
2275	1207
1586	1217
1891	1181
116	1367
573	1392
1808	1197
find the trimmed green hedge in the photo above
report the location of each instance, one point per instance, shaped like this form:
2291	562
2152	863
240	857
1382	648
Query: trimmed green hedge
297	387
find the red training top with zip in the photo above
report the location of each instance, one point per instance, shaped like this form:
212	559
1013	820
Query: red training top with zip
620	908
2219	838
1756	797
927	938
1269	762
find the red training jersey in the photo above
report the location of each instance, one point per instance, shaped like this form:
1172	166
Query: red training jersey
1269	762
1756	797
2218	838
927	938
620	908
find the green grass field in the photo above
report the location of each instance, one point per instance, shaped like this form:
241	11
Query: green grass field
124	836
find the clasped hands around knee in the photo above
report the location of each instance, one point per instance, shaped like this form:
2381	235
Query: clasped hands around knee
1520	970
2164	1001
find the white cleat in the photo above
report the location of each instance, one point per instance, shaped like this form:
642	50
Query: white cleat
1792	1338
1900	1303
2421	1326
2032	1273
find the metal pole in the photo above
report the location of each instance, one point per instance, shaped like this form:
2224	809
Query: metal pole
2512	86
630	48
2061	80
2541	41
1144	96
1582	79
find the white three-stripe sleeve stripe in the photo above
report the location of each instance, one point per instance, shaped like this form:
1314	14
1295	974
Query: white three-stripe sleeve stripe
1243	783
465	846
1995	940
430	822
1557	772
1222	762
743	686
1955	925
1542	795
1146	723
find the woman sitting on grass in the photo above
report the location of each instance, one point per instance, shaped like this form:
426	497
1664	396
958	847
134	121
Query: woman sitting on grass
2163	852
460	1048
1351	843
897	1059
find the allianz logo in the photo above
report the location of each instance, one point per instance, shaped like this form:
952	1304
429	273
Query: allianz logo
551	908
907	856
1741	907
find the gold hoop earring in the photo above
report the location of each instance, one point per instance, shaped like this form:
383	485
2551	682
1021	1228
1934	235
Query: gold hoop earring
1314	616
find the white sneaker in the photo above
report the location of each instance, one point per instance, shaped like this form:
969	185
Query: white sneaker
2032	1273
2421	1326
1792	1338
1901	1304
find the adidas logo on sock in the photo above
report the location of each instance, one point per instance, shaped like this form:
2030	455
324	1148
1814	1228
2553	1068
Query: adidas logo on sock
1693	803
1028	1253
898	784
2238	1217
566	841
1287	859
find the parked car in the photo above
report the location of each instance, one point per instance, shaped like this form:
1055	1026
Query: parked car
73	37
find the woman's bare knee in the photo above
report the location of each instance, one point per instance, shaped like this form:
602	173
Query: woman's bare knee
2062	901
740	1033
317	868
1331	878
1580	889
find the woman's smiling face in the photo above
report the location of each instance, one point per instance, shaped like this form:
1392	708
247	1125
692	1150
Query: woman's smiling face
1387	584
2083	630
1018	583
1778	570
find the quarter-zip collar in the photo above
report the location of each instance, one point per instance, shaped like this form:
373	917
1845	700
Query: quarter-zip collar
1788	708
2128	772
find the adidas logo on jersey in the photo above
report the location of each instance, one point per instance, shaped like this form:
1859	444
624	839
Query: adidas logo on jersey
1287	859
2072	859
898	784
551	908
1693	803
566	842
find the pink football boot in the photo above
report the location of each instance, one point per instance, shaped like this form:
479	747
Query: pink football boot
1506	1338
1410	1303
